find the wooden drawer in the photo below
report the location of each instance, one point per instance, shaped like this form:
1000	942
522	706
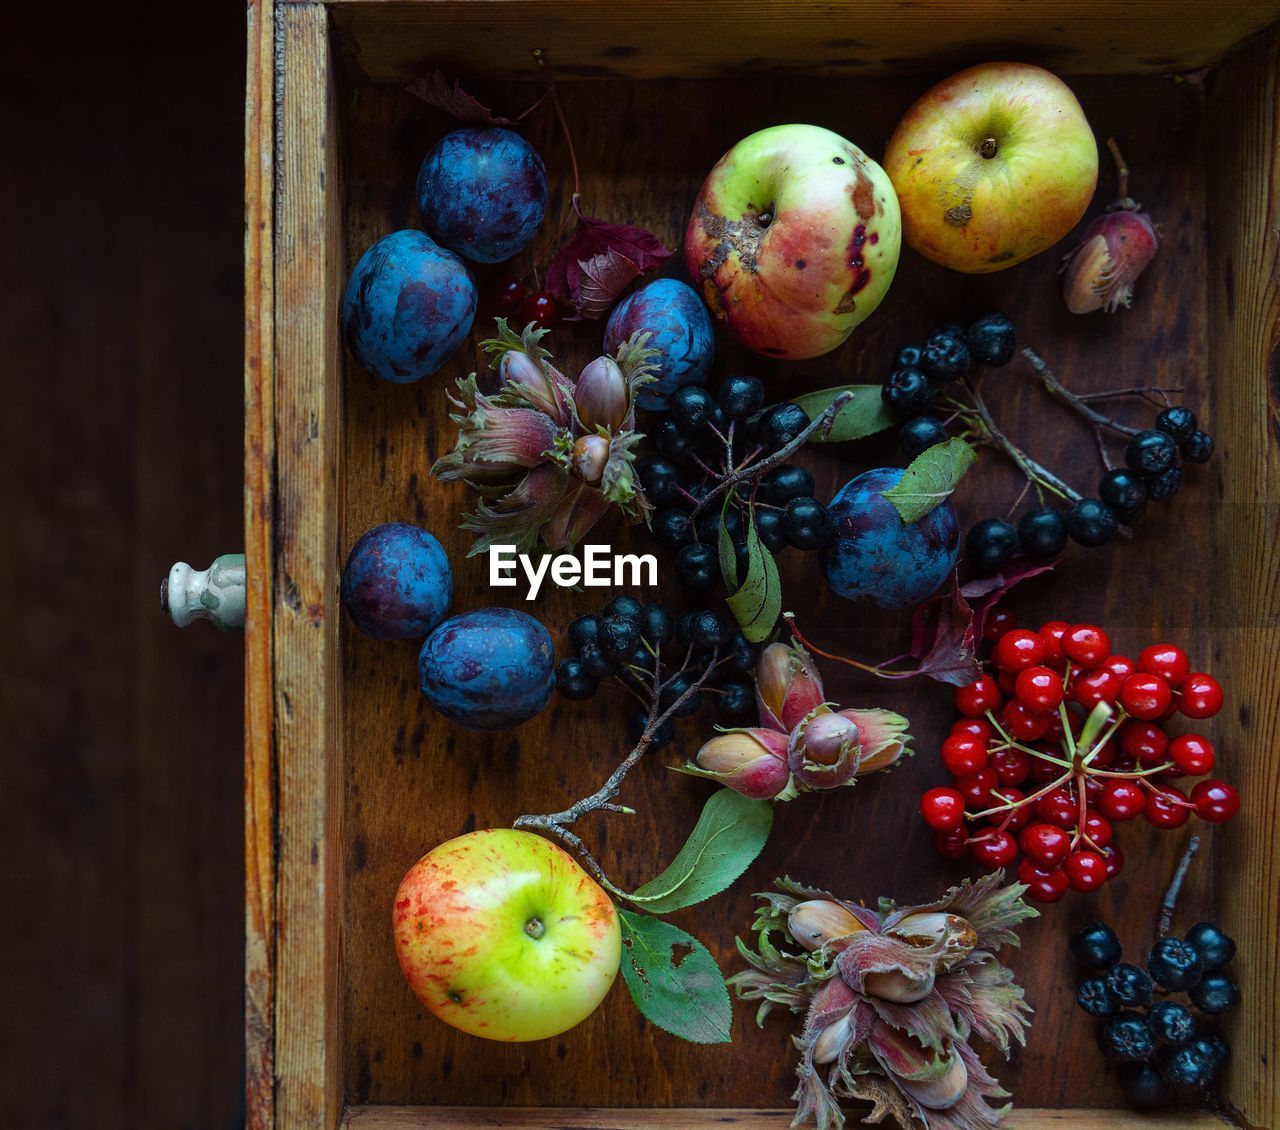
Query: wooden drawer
349	777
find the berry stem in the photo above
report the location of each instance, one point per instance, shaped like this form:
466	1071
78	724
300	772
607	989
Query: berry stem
798	636
1026	800
1057	389
1170	902
540	56
1012	742
1034	471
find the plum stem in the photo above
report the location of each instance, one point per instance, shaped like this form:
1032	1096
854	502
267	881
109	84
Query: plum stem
1170	902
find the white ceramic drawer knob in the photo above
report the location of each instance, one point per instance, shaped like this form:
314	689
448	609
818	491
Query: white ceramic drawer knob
215	593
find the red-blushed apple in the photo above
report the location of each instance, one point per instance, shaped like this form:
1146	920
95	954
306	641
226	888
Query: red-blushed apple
793	240
992	166
501	934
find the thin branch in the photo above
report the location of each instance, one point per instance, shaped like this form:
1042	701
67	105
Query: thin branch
1057	389
1170	902
1122	169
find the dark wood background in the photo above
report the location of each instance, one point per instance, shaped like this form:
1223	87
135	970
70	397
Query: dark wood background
413	780
120	451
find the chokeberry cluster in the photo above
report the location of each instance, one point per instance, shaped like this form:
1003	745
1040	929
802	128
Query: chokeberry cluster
1060	740
706	439
660	655
1167	1051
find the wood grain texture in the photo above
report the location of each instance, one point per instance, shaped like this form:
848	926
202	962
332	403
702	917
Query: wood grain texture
411	780
1245	316
464	1118
394	40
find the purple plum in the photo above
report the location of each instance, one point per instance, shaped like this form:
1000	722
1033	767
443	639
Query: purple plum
397	583
483	193
874	558
681	327
408	307
488	670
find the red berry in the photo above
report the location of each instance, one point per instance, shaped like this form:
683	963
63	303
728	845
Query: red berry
1086	870
952	844
1192	754
1023	722
1201	696
1145	696
1098	828
1113	857
976	789
540	308
999	621
1040	771
997	850
1121	800
1145	741
1215	801
1042	885
1019	649
1164	808
1092	789
963	754
1167	661
1011	766
1039	688
1047	844
1058	807
942	809
1017	817
1094	687
978	728
506	293
1052	634
978	697
1006	681
1121	666
1086	644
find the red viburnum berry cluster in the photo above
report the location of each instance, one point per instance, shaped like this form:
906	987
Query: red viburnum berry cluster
1061	741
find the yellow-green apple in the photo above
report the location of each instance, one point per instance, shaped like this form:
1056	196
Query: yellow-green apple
501	934
793	240
992	166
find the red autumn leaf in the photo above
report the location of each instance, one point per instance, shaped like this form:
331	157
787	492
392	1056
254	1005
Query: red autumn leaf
435	90
591	239
985	592
603	278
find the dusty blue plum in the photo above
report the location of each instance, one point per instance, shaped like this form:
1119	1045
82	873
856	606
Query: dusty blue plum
483	193
874	558
488	670
682	335
397	583
409	305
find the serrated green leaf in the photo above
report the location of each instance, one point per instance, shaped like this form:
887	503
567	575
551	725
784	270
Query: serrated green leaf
864	415
930	479
674	980
728	558
729	834
758	603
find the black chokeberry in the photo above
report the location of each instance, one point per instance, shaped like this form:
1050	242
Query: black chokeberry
807	524
662	735
595	663
1150	452
1128	985
741	558
672	528
657	624
619	637
672	440
1092	996
1179	424
624	607
908	357
1198	449
990	543
1162	487
1216	949
1095	945
1185	1069
1214	1048
740	653
697	567
1091	523
740	396
642	657
946	356
907	393
673	689
1214	993
920	434
691	406
684	626
1142	1085
781	424
708	629
1124	493
991	340
737	699
574	681
784	483
769	530
1127	1036
1171	1022
660	478
1042	533
1174	964
710	522
583	631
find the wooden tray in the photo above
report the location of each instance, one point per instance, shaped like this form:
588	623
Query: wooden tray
350	777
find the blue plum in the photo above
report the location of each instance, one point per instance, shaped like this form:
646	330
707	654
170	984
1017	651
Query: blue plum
874	558
483	193
397	583
682	334
408	307
488	670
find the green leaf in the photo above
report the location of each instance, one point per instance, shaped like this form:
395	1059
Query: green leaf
931	477
674	981
729	834
758	603
728	559
864	415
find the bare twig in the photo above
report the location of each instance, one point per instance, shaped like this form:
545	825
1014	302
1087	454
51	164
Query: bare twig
1170	902
1057	389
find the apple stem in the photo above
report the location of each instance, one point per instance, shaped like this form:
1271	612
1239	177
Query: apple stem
1170	902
